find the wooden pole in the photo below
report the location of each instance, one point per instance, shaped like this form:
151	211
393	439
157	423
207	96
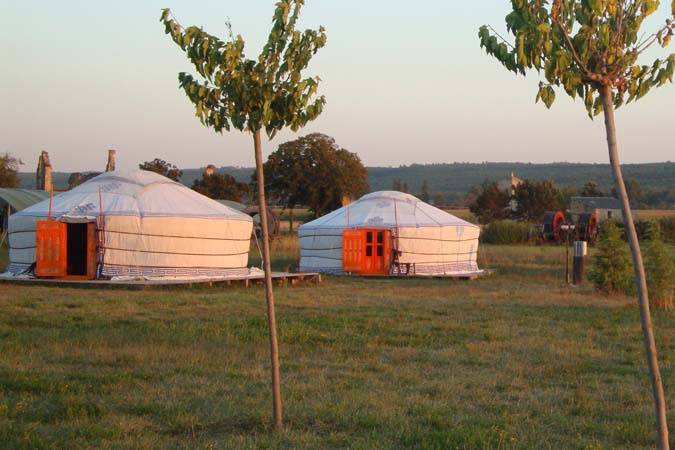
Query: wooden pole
269	294
567	260
643	298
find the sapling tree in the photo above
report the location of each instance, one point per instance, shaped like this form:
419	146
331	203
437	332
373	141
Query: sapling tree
660	269
267	93
611	270
591	49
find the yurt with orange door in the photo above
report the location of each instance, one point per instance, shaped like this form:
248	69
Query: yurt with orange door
390	233
129	224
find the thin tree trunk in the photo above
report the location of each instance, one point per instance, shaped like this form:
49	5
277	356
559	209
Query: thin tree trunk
643	298
267	267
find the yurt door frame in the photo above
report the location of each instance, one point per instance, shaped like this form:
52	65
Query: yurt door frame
366	251
65	250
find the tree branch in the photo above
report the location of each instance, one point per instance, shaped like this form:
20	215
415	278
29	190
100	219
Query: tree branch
500	37
591	76
649	41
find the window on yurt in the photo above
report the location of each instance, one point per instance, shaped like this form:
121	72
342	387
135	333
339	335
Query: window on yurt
369	243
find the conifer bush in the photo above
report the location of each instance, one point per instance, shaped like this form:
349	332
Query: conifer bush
667	228
660	271
612	271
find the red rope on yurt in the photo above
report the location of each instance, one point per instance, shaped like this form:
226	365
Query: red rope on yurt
51	201
396	249
101	234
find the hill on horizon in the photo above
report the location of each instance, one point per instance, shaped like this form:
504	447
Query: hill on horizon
454	180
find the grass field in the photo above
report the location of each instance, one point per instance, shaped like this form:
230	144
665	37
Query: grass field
516	360
651	214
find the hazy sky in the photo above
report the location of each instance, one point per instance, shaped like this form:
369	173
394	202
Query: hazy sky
406	82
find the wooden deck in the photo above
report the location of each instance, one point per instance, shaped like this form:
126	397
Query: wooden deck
279	278
421	276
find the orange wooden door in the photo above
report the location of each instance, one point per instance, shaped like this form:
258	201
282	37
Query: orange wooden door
352	251
91	251
366	251
51	255
377	255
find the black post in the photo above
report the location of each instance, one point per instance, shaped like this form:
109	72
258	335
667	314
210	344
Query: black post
567	261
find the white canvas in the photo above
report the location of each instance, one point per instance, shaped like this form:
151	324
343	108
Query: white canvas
431	240
148	225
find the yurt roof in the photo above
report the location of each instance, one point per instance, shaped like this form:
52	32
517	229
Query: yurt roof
385	209
234	205
132	193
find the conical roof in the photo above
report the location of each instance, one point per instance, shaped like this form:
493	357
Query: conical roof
132	193
386	209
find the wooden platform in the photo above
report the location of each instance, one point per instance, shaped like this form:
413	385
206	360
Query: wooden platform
417	276
279	278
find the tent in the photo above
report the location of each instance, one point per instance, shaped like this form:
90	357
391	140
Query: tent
389	233
134	223
16	199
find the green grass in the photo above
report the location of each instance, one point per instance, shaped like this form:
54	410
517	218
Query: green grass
513	360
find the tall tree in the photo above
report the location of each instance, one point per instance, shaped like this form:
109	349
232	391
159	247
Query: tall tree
634	191
220	186
9	171
590	49
591	189
163	168
396	184
491	203
250	95
77	178
314	171
425	192
534	198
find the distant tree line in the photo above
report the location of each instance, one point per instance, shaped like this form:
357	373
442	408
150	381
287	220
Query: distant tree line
438	191
531	199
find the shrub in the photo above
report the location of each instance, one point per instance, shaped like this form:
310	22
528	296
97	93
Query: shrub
660	271
667	226
506	232
612	271
642	228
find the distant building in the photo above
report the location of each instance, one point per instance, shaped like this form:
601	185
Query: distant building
604	207
510	186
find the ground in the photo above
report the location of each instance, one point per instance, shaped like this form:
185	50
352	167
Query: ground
513	360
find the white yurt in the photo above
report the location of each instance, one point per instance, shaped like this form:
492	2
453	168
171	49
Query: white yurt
389	233
135	223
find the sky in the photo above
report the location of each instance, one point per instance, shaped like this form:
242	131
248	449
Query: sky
406	82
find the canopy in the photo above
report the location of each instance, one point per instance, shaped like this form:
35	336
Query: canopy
20	199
